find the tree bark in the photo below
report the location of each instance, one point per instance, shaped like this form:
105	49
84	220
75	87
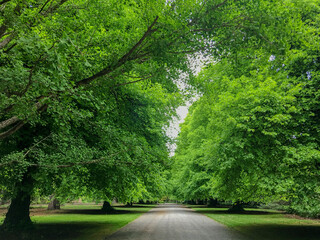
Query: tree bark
107	208
18	215
54	204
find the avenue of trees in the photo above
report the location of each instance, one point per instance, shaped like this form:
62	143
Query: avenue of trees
253	134
87	88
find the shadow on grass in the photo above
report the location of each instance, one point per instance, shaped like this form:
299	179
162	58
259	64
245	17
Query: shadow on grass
246	212
96	212
52	231
282	232
66	231
136	206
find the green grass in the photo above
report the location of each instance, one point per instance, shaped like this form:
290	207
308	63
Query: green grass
80	222
260	224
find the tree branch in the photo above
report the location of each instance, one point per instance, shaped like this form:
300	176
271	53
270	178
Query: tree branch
214	8
8	163
44	6
227	24
28	84
126	83
8	49
19	123
55	7
8	122
219	5
3	30
4	1
6	41
122	60
4	33
12	130
36	144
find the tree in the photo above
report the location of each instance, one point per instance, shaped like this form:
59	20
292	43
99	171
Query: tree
58	57
255	139
107	156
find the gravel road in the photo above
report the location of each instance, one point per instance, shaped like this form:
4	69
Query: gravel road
174	222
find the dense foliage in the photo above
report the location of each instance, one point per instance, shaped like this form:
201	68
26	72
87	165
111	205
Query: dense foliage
87	88
253	134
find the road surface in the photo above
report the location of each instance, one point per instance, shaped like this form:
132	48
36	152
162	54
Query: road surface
174	222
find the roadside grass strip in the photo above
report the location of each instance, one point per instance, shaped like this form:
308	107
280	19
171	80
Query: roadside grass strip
261	224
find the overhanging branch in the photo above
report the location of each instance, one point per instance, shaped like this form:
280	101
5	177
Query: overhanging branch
8	122
4	1
12	130
126	83
122	60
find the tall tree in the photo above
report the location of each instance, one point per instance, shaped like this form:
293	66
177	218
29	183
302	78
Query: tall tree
254	137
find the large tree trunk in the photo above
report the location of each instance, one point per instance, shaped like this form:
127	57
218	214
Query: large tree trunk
237	207
212	202
199	202
18	216
107	208
54	204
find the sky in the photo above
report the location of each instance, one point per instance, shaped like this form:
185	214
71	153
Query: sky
174	129
182	111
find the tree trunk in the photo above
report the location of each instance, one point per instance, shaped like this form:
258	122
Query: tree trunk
199	202
4	198
213	202
237	207
18	215
54	204
107	208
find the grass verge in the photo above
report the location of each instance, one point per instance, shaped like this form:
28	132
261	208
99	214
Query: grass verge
76	222
258	224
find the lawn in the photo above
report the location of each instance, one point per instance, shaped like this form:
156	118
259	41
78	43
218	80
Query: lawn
76	222
260	224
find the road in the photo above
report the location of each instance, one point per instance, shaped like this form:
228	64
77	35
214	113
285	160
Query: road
170	221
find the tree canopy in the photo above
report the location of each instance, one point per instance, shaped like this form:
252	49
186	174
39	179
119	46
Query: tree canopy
252	135
88	87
